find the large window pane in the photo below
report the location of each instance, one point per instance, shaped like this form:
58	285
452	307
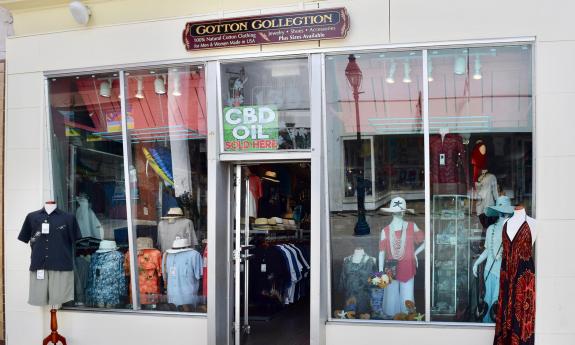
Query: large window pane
88	173
168	171
376	185
266	105
480	114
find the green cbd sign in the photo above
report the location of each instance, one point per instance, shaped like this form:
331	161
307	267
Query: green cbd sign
250	128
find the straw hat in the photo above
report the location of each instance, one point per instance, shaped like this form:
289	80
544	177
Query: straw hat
271	176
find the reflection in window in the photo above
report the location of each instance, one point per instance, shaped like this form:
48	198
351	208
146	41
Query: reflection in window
379	275
168	172
480	115
88	173
266	105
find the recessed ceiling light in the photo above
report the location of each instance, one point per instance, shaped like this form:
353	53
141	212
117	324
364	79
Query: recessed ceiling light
152	72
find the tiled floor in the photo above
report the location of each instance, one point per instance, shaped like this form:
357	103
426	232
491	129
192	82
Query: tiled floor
290	327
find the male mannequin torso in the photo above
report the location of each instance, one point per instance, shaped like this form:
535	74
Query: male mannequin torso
514	224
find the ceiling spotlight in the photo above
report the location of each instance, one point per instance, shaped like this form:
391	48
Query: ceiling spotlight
140	93
106	88
406	72
160	85
460	65
390	79
429	71
477	69
176	91
80	12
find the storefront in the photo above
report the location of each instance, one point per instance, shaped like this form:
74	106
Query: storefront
263	192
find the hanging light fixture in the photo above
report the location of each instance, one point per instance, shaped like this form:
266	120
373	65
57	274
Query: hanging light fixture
460	65
390	79
106	88
160	85
140	92
406	72
477	69
176	91
430	71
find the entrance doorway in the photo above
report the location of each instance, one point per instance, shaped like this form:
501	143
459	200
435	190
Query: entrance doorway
272	266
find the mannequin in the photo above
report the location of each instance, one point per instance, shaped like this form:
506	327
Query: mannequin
487	193
514	223
493	253
400	241
353	281
478	158
50	206
515	320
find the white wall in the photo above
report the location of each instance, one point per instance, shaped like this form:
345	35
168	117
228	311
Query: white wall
411	21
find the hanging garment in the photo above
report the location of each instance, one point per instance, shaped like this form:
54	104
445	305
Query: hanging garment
487	192
149	273
205	272
403	248
81	268
183	270
89	224
169	229
354	281
515	319
106	281
447	159
478	160
255	195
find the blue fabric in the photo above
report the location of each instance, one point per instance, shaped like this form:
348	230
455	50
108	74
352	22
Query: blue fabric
183	270
106	281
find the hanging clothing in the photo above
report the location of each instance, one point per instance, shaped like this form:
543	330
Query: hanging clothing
515	320
149	274
447	159
107	284
487	192
169	229
354	281
403	243
478	160
205	272
89	224
81	269
183	272
255	195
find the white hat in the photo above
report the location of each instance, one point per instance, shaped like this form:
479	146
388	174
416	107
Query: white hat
107	246
397	205
174	212
180	243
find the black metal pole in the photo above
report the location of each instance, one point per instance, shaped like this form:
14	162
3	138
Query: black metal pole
361	227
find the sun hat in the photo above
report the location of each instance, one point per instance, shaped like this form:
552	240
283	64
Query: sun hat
144	243
271	176
107	246
397	205
502	205
174	212
180	243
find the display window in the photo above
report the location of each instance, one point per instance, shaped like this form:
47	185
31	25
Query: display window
475	119
265	106
165	177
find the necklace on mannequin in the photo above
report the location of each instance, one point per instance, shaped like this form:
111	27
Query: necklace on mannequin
398	244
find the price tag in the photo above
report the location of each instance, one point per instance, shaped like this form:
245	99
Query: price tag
442	159
45	228
263	267
40	274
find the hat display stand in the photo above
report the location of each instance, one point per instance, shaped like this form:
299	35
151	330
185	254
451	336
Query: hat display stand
54	337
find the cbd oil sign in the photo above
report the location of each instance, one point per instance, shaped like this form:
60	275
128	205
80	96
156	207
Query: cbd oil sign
250	128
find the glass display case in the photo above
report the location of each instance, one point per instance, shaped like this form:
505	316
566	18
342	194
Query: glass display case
451	225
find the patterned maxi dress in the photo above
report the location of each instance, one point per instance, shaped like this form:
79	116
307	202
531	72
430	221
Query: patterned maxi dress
515	320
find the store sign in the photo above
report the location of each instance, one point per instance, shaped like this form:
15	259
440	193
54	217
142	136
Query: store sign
276	28
250	128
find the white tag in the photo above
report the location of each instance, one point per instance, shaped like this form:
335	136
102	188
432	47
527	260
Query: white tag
145	211
40	274
45	228
442	159
263	268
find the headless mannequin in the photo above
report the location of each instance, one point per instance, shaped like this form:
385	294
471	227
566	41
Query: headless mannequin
398	224
514	223
50	206
443	132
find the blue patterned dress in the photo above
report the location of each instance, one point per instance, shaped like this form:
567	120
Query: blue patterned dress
106	285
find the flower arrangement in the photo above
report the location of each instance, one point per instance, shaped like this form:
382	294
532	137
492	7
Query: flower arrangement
379	280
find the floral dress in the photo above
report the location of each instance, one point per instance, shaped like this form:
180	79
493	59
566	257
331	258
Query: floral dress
515	320
106	285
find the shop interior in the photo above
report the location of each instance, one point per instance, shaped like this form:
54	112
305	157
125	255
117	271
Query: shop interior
275	202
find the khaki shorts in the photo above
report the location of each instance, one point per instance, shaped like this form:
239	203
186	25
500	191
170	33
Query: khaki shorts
57	287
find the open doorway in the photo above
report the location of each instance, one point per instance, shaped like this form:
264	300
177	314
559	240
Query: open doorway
271	237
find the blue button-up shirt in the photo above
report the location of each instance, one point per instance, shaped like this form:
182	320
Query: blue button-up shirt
52	251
